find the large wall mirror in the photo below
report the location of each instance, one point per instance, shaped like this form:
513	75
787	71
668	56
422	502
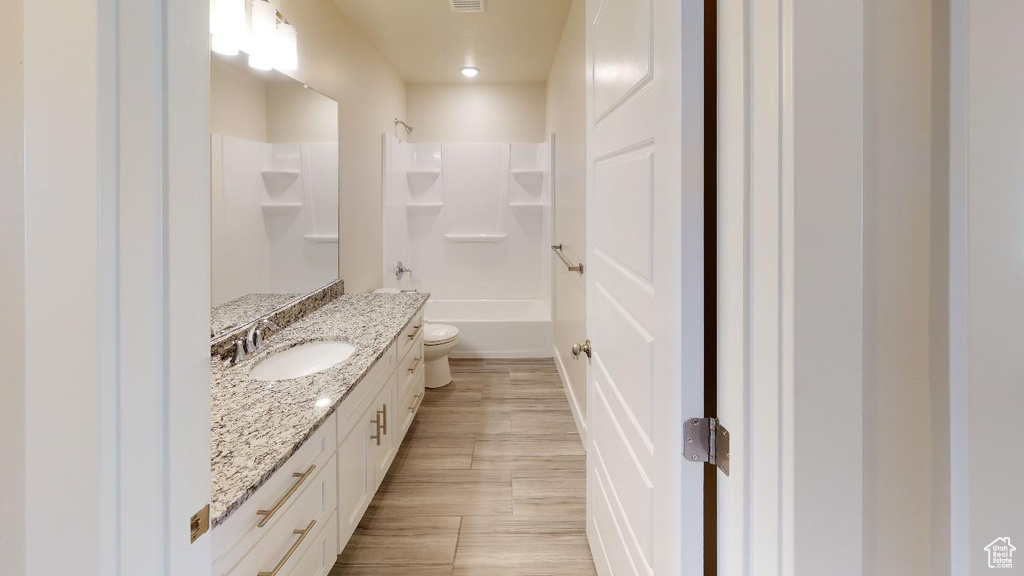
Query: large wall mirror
274	175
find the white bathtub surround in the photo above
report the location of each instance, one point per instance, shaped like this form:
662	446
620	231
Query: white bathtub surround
474	223
495	328
274	217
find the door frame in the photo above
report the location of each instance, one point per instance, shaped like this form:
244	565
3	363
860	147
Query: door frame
116	149
789	214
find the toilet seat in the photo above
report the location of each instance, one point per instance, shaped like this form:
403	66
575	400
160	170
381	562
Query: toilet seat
437	334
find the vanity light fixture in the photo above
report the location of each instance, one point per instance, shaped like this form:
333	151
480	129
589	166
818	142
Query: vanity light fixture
263	35
287	50
227	26
470	72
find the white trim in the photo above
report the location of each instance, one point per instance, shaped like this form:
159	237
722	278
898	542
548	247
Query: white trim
117	358
788	235
959	293
574	404
538	353
732	285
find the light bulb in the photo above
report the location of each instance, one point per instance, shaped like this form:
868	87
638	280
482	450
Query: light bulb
263	35
227	26
286	53
470	72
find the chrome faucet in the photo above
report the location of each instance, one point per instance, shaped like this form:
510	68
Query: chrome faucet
401	270
252	342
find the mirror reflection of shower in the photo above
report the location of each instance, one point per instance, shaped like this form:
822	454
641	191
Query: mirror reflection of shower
474	220
274	190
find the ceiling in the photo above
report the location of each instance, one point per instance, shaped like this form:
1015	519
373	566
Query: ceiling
511	41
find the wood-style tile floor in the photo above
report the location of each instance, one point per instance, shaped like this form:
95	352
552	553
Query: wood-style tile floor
490	480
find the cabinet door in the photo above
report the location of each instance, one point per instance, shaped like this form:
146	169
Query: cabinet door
390	430
356	479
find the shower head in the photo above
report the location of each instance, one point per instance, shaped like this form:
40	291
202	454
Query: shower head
408	129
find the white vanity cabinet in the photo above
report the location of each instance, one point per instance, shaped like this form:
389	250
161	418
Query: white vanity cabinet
369	443
300	519
291	511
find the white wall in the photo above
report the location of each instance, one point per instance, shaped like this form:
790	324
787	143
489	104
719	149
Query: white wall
12	287
476	112
566	119
986	280
297	115
238	102
336	60
823	386
900	493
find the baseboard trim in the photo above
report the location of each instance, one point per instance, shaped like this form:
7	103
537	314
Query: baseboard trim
501	354
574	405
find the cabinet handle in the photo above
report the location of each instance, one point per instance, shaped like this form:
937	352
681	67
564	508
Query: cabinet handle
416	405
415	365
415	333
268	514
377	422
384	412
287	555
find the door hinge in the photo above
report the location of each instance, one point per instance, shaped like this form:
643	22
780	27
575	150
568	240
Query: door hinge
199	523
706	440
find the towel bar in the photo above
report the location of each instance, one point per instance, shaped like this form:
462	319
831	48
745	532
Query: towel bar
569	265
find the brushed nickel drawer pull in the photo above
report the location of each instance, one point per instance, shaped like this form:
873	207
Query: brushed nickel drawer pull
287	555
377	422
384	413
416	405
415	365
268	514
415	333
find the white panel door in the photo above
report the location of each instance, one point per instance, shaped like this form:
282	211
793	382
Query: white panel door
644	283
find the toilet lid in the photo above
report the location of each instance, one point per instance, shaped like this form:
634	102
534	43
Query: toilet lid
439	334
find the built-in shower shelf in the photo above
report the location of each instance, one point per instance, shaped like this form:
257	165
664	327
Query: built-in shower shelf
424	205
528	178
526	205
279	180
476	238
321	238
282	209
420	180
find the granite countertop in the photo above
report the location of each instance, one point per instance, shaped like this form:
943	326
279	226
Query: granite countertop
245	309
256	426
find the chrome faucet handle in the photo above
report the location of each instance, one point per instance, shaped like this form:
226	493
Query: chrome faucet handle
401	270
238	354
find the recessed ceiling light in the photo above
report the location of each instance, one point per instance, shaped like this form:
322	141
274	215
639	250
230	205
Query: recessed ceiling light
470	72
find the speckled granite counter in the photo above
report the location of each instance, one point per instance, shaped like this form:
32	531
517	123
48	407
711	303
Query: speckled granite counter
244	309
257	426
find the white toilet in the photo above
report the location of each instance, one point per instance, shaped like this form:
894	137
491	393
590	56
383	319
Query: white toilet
438	341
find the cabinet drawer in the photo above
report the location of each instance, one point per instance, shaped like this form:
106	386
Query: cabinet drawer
299	528
413	398
241	531
322	553
412	331
409	365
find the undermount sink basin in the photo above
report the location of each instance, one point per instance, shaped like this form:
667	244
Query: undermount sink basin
301	360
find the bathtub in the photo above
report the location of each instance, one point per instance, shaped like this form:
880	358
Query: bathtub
506	328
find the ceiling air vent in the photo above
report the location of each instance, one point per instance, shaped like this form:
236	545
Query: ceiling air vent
467	5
